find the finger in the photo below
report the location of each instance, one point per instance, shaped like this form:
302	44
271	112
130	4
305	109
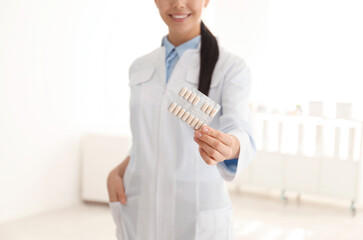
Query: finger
112	194
211	152
223	149
121	193
224	138
113	197
206	158
122	197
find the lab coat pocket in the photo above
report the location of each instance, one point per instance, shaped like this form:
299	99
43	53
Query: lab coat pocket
130	219
116	215
141	76
215	224
142	98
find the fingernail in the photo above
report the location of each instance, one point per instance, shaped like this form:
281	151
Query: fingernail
123	200
198	134
205	129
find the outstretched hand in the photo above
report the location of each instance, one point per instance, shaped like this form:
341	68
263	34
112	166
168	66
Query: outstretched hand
216	146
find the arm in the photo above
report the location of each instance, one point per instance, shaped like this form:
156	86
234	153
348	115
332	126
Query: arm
236	118
120	169
235	137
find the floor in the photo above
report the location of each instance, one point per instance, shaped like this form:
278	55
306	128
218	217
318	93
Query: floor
256	217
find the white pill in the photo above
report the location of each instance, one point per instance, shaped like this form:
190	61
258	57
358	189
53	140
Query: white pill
209	109
194	122
181	112
213	113
172	106
198	124
176	110
186	114
204	107
190	118
187	94
183	91
196	100
191	98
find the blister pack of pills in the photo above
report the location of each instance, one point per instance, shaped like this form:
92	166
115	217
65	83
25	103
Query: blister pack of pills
194	108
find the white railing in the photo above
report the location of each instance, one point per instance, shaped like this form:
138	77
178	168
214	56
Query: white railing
305	154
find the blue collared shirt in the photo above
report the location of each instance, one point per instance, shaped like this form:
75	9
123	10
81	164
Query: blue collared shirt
193	43
179	50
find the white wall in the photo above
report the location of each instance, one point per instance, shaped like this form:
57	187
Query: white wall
314	51
298	51
39	138
241	27
63	73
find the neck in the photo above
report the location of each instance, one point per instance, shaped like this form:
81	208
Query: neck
178	38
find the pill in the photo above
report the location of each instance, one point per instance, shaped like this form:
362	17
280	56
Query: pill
196	100
195	120
191	98
172	106
190	118
181	112
204	107
209	109
183	91
187	94
176	110
213	113
198	124
186	114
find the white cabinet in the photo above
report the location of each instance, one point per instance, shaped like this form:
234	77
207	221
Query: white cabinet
100	154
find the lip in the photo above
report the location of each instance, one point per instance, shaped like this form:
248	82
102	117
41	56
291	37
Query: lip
179	14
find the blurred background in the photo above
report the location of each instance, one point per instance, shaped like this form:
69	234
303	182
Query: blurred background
64	121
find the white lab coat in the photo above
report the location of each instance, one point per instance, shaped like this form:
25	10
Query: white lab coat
172	194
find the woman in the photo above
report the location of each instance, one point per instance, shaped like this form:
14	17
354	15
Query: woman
171	186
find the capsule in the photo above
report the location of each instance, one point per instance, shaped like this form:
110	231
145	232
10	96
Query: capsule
213	112
196	100
199	124
187	94
185	116
194	122
183	91
190	118
176	110
209	109
204	107
181	112
191	98
171	107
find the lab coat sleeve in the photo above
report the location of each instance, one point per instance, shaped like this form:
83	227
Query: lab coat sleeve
235	117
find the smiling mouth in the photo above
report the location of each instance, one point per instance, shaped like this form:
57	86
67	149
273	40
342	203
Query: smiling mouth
179	16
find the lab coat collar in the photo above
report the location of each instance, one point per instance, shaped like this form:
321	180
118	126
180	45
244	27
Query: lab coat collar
189	59
193	43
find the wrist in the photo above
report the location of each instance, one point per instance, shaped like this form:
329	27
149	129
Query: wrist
115	173
235	147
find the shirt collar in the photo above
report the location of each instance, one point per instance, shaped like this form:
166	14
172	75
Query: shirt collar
190	44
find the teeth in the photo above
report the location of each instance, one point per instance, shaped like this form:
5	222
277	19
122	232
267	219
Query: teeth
180	16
